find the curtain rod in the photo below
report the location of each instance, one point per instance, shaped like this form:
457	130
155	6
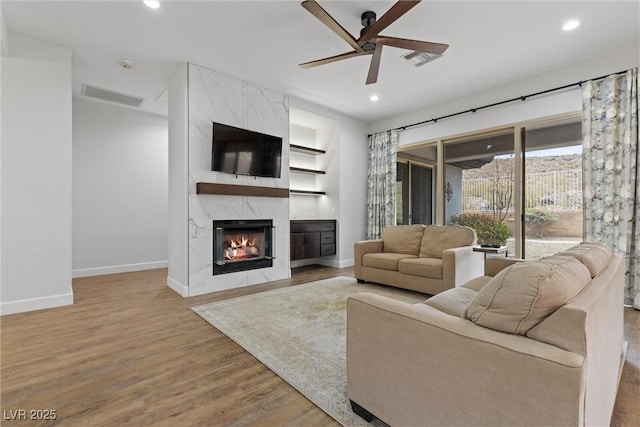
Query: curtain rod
519	98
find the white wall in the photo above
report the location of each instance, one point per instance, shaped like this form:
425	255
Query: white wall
547	105
4	50
329	137
120	179
351	179
36	176
178	279
4	35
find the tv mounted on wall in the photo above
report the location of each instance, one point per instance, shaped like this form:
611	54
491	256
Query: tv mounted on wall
245	152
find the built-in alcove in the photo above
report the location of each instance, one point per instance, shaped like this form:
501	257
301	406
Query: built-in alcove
313	165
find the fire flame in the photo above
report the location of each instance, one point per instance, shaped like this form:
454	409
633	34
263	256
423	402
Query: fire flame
240	248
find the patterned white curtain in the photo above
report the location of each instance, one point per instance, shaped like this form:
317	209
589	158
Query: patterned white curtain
610	162
381	194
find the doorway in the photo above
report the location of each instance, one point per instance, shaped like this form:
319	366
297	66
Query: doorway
414	193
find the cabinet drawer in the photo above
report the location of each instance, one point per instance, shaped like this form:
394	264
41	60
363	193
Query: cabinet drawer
327	237
328	249
301	226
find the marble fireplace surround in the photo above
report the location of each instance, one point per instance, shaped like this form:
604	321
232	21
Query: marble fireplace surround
213	97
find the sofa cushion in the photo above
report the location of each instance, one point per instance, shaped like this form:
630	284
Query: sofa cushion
384	261
594	256
402	239
452	301
477	283
521	296
425	267
438	238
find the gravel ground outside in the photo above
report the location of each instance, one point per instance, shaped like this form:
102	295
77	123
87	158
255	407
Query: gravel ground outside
538	248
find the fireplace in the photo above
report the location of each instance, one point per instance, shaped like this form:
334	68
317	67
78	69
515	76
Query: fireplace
240	245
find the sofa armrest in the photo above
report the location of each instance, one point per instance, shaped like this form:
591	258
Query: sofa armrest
459	265
414	365
361	248
495	265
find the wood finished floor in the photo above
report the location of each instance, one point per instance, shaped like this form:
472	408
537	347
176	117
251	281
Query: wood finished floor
130	352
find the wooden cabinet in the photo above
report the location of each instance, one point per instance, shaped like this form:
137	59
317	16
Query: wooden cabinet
312	238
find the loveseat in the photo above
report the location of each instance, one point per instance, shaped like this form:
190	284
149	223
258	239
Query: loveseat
428	259
529	343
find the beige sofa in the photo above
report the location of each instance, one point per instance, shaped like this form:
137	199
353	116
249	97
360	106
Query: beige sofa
535	343
428	259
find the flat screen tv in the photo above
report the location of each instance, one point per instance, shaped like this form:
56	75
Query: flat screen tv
245	152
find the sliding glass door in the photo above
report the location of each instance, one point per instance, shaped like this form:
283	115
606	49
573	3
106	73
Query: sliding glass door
414	193
519	186
479	185
479	176
402	193
552	187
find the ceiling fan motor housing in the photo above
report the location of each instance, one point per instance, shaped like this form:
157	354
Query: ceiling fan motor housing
367	19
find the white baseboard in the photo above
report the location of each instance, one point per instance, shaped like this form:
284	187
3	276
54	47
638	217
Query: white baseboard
32	304
181	289
126	268
303	262
342	264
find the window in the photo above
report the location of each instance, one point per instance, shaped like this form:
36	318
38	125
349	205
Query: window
526	176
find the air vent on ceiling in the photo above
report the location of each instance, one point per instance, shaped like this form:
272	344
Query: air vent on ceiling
111	96
420	58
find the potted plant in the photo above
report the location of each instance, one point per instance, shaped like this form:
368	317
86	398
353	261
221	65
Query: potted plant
490	231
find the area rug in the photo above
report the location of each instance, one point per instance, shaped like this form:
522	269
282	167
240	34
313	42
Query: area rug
299	332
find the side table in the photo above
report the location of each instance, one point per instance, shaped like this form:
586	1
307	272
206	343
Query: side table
492	251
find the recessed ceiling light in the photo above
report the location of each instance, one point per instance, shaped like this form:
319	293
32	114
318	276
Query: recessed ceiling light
571	25
153	4
373	98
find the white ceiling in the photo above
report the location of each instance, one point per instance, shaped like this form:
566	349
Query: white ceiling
491	43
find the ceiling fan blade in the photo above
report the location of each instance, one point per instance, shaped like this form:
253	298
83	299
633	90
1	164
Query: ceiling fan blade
316	10
333	58
417	45
372	77
396	11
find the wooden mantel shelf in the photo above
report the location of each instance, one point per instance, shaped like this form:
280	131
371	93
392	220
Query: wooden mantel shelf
240	190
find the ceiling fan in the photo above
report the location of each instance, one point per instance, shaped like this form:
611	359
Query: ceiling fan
370	41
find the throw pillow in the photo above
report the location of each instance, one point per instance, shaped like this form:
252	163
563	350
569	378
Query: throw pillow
524	294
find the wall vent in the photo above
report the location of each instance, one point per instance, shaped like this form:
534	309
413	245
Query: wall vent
111	96
418	59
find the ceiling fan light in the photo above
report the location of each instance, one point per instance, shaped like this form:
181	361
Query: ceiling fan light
373	98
